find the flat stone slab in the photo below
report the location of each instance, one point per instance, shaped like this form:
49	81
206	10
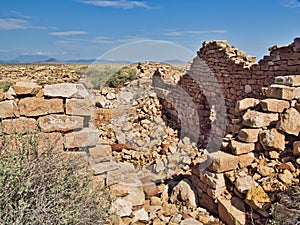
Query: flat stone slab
222	161
84	138
66	90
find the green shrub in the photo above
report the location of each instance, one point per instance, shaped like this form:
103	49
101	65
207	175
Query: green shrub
122	76
46	187
5	85
98	77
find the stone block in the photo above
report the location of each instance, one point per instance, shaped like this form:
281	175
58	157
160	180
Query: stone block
280	92
274	105
249	135
222	162
246	159
232	212
246	103
258	119
26	88
20	125
291	80
66	90
239	148
39	106
272	140
290	122
8	109
84	138
80	107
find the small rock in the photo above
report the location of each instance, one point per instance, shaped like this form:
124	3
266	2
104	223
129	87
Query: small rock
286	177
288	166
121	207
140	215
190	221
246	103
184	193
265	170
272	140
296	148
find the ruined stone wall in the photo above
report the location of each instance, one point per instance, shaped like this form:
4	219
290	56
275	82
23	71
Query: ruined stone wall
57	115
228	72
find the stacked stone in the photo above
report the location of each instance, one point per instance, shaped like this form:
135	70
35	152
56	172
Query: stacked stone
59	114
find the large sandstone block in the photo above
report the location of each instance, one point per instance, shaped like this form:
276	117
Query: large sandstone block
232	212
274	105
39	106
249	135
246	103
50	142
272	140
26	88
8	109
258	119
84	138
213	180
290	122
222	162
292	80
239	148
280	92
66	90
63	123
19	126
80	107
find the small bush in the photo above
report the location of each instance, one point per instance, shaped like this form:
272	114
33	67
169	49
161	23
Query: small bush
98	77
47	187
5	85
121	77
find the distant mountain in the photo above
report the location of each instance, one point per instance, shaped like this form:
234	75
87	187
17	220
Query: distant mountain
30	58
174	61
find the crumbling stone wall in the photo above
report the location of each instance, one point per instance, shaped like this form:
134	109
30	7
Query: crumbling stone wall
57	115
237	75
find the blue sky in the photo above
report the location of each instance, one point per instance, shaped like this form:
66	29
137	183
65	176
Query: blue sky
72	29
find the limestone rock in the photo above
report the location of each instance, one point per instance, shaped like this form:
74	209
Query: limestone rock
66	90
274	105
232	212
184	193
121	207
239	148
258	119
83	138
246	103
80	107
19	126
290	122
291	80
249	135
50	142
39	106
222	162
26	88
63	123
286	177
243	184
246	159
7	109
149	187
272	140
190	221
265	171
257	198
280	92
140	215
296	148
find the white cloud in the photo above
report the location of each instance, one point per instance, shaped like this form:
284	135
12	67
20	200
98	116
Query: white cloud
181	33
291	3
68	33
124	4
18	14
17	24
102	40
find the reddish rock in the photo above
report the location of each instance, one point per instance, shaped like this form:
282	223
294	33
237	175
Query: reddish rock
274	105
272	140
39	106
83	138
61	123
239	148
287	166
290	122
119	147
258	119
249	135
281	92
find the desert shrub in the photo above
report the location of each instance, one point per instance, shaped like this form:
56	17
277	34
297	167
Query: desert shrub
98	77
47	187
122	76
5	85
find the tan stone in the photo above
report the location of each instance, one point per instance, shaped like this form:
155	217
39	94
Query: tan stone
265	171
239	148
66	90
26	88
243	184
208	203
274	105
80	107
213	180
121	207
296	148
291	80
286	177
8	109
222	162
290	122
149	187
99	153
83	138
257	198
184	193
39	106
246	103
272	140
19	126
63	123
249	135
232	212
190	221
258	119
246	159
280	92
